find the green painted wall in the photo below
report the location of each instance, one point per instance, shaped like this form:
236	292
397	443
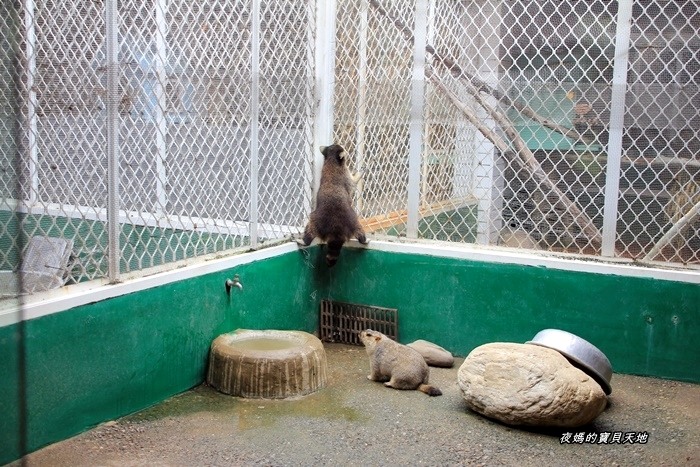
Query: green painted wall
644	326
103	360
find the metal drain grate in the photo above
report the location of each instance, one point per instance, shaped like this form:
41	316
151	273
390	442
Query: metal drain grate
341	322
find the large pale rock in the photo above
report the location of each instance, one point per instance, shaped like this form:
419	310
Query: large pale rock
523	384
517	238
433	354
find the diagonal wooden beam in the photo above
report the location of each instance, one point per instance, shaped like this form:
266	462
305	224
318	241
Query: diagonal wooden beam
526	159
482	86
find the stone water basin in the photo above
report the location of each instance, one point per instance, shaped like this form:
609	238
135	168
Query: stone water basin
267	364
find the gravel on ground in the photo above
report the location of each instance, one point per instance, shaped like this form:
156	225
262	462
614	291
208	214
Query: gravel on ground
354	421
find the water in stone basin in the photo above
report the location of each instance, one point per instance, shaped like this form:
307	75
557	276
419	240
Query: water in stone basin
267	364
263	343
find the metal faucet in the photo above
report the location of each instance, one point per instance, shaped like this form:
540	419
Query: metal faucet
236	282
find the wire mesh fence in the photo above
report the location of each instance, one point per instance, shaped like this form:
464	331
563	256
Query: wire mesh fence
169	129
212	128
559	126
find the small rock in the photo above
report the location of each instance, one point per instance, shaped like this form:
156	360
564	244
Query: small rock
523	384
433	354
517	238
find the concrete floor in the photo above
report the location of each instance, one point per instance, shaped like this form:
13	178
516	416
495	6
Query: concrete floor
355	421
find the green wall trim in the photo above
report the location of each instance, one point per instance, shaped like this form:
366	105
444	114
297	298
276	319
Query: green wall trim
99	361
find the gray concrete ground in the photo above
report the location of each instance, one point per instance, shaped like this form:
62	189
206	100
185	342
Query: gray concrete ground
355	421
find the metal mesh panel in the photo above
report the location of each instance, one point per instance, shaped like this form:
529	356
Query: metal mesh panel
660	181
286	115
9	141
558	64
213	125
61	133
552	125
541	128
373	79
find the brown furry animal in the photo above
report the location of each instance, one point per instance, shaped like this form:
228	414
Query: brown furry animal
399	365
334	220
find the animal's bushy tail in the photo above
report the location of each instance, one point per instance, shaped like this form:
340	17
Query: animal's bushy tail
429	390
333	252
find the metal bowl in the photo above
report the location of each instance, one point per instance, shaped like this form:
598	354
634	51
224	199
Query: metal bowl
581	353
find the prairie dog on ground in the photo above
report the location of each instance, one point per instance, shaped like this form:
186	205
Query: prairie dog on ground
334	220
399	365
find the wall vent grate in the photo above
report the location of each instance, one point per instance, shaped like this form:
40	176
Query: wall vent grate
341	322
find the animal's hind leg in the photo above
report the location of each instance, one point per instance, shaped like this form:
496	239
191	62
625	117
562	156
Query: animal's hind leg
375	374
360	235
395	384
309	235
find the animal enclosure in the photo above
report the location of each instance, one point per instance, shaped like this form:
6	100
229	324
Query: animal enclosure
152	132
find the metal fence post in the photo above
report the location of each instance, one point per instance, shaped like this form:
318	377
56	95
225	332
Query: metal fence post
254	120
617	122
361	101
416	122
427	115
112	122
325	83
32	104
161	104
310	107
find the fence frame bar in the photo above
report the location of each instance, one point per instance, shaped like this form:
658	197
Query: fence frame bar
32	102
113	154
416	125
325	84
254	120
161	80
616	129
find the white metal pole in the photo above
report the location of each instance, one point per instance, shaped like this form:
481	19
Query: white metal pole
416	122
325	82
361	100
487	180
310	107
113	201
617	121
430	39
161	103
32	103
254	120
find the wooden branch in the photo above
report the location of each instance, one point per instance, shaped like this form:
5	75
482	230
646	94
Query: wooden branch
459	72
526	158
499	142
675	229
385	221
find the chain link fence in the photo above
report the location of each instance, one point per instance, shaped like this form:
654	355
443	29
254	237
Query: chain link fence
560	126
147	132
209	139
